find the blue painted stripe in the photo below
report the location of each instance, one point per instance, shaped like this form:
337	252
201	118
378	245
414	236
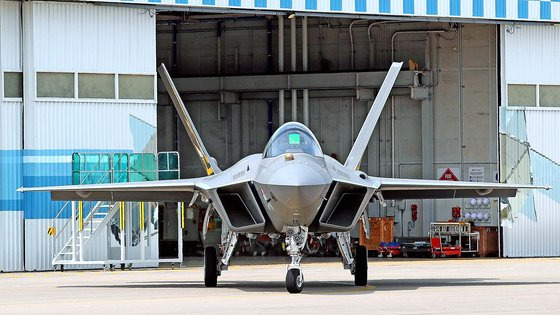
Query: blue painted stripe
208	2
408	7
478	8
286	4
360	5
182	1
385	6
154	1
431	7
523	9
455	7
336	5
11	178
545	10
235	3
500	8
260	3
311	4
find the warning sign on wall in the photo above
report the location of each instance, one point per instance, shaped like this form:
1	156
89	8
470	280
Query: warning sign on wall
476	174
447	174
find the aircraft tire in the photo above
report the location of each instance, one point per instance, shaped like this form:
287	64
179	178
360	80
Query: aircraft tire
294	280
361	261
210	267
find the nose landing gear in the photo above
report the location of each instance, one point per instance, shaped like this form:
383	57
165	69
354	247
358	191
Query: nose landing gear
295	239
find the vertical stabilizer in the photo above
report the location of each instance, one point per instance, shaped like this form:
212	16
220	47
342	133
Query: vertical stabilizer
208	162
357	151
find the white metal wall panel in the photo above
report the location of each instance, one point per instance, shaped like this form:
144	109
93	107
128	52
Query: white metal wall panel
79	38
532	227
10	125
11	214
530	53
543	129
86	125
83	37
11	241
10	35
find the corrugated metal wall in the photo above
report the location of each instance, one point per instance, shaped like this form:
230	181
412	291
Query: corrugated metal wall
533	10
78	38
11	212
529	142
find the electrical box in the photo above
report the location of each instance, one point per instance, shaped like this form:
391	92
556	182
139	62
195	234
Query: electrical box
419	93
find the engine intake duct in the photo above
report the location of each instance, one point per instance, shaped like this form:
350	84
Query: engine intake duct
344	207
241	208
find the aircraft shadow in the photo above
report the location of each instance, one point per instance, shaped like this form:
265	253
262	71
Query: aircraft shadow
324	287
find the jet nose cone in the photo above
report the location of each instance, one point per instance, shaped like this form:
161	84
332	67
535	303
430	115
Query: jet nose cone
299	175
299	186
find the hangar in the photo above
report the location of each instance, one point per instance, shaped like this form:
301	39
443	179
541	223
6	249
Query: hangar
477	100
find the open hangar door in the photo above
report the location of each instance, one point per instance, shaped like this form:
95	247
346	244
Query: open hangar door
229	69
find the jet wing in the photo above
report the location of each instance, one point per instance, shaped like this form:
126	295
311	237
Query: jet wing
399	188
164	190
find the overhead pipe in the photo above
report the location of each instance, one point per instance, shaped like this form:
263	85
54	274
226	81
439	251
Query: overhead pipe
219	45
352	41
269	59
293	37
280	67
304	49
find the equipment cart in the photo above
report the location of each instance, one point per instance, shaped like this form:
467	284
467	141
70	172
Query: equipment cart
452	239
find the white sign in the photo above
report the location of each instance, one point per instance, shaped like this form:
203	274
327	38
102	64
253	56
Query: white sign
476	174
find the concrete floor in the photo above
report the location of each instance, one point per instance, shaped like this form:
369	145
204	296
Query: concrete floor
257	286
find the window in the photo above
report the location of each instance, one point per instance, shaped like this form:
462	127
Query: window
522	95
132	86
92	85
13	84
549	95
55	84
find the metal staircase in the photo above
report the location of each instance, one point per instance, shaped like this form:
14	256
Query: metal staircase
97	218
77	226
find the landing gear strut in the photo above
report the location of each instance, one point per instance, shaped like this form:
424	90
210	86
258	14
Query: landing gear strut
214	267
295	241
358	266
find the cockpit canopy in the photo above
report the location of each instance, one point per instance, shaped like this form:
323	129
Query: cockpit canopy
292	137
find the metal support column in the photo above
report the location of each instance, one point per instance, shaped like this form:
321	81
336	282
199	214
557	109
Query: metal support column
304	52
122	228
180	220
427	160
73	231
142	232
81	228
280	67
293	38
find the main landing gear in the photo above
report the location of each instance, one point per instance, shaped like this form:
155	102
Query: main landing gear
296	238
214	267
358	265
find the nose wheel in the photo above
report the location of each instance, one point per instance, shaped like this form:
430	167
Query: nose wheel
294	280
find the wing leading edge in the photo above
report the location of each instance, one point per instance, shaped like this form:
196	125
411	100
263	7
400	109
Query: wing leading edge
164	190
399	188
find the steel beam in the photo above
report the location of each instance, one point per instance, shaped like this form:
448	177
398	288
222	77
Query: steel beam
275	82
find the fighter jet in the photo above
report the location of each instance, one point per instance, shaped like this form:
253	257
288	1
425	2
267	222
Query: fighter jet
290	190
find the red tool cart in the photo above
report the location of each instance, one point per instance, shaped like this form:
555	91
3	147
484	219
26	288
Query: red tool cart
442	238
